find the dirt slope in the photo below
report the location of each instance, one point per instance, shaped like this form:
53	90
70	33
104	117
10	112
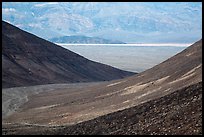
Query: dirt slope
179	113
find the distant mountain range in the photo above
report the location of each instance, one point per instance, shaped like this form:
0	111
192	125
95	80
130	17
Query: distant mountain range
137	22
29	60
83	40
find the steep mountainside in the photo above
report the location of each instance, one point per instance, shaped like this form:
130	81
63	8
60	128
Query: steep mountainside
29	60
84	40
168	94
179	113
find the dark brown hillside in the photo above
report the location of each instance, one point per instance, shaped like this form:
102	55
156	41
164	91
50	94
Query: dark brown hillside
179	113
29	60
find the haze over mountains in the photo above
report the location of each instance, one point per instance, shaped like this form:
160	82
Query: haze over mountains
138	22
29	60
83	40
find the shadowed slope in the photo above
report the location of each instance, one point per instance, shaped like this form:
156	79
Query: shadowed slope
29	60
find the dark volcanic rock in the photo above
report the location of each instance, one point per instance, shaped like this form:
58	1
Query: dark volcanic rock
29	60
179	113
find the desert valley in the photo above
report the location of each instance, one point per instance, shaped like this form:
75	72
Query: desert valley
50	90
63	108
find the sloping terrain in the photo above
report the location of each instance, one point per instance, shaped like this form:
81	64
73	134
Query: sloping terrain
29	60
162	83
177	113
12	98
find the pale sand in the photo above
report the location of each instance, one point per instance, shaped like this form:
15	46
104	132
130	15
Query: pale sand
182	78
139	87
148	92
46	107
115	83
191	71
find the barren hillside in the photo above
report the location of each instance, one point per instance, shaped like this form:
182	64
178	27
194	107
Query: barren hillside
157	86
28	60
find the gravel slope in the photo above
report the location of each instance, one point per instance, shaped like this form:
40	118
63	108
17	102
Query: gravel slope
179	113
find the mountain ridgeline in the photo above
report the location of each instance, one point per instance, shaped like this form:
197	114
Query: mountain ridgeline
29	60
84	40
124	21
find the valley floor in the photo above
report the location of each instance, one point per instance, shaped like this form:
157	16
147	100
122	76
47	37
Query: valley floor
13	98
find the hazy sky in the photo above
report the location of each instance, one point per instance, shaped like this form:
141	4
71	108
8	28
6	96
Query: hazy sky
131	22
